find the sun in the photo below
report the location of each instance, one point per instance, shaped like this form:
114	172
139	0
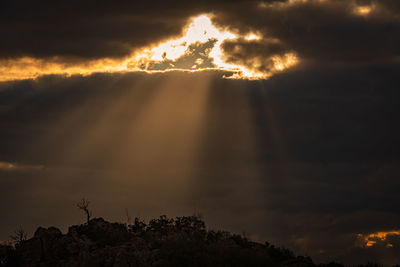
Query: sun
200	48
200	30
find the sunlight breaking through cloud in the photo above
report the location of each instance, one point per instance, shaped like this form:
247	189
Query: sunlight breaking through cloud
363	10
202	31
200	48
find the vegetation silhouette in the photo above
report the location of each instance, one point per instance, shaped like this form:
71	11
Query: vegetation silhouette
18	236
183	241
83	205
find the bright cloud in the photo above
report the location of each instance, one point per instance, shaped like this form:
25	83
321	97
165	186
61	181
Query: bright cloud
200	48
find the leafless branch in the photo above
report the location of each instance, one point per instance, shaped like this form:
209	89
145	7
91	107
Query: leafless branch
84	205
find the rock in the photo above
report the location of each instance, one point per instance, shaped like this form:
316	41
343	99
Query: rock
101	243
5	254
101	232
300	261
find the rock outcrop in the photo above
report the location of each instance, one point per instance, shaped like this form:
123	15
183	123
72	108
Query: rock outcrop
183	241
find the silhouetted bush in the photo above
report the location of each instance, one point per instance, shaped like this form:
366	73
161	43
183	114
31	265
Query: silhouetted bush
183	241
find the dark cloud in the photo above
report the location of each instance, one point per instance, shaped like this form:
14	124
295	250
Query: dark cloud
318	30
255	55
324	31
92	29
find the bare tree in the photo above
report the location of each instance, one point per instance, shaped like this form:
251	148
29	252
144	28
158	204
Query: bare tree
18	236
84	205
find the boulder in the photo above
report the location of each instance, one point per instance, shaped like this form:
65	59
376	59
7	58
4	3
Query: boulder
101	232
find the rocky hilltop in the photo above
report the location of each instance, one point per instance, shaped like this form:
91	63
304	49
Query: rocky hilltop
183	241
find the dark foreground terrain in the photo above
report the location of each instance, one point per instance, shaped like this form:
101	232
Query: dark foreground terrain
183	241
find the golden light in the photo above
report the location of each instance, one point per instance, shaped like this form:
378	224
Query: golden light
201	31
284	62
252	37
6	165
370	240
200	48
363	10
31	68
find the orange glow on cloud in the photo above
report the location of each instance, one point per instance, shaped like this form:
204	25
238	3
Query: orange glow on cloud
8	166
370	240
199	31
363	10
355	8
31	68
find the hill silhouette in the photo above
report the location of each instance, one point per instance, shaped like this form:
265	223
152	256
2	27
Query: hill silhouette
183	241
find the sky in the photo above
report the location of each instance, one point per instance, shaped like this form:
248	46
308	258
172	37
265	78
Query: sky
277	119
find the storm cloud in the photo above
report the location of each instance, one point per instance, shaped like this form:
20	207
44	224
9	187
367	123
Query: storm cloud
308	158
